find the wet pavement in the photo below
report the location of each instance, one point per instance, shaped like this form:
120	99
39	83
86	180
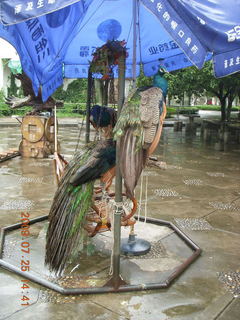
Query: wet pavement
198	191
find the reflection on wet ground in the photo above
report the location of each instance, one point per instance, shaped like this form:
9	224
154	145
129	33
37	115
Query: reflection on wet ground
198	190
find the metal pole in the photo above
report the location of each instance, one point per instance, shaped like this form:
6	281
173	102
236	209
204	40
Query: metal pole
88	106
134	57
55	129
116	280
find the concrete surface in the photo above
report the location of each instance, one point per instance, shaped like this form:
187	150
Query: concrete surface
198	191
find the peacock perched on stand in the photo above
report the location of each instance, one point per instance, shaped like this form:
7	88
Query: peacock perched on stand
75	211
73	199
139	128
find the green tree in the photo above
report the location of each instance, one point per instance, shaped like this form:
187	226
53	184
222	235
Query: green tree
226	89
191	81
76	92
143	81
187	82
176	87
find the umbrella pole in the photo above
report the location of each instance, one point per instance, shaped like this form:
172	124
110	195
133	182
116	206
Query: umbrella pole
134	58
88	106
116	279
55	129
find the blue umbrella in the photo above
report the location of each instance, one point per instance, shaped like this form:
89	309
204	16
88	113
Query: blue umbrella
179	32
15	11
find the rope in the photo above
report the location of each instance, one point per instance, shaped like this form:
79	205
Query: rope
98	135
111	259
79	134
140	200
55	129
146	201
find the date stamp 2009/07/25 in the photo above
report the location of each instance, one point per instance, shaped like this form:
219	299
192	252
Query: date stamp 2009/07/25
25	257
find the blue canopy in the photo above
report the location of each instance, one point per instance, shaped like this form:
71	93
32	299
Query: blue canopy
15	11
179	32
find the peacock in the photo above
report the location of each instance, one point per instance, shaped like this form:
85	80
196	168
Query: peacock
139	129
160	81
102	117
74	196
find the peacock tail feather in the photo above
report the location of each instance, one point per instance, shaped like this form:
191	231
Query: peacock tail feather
130	117
72	201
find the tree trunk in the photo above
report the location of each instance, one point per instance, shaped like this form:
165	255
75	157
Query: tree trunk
105	92
231	97
222	98
229	108
223	109
182	102
99	91
169	100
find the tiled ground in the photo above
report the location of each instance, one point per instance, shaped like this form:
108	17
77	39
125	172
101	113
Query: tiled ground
199	191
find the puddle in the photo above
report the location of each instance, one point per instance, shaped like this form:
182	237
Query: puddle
224	206
216	174
166	193
193	224
193	182
231	281
17	205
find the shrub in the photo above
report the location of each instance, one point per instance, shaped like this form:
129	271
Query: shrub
76	92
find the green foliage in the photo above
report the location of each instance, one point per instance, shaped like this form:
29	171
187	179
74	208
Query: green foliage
143	81
186	81
75	93
4	109
69	109
13	89
1	96
191	81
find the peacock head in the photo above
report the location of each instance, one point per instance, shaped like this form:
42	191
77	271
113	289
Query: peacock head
99	116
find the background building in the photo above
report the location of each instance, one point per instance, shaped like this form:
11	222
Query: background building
7	53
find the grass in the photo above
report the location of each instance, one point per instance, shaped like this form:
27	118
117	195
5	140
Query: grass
68	115
77	110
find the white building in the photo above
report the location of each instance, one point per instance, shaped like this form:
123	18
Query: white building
7	51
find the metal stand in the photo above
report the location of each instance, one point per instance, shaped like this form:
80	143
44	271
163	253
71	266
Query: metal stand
135	247
116	280
122	287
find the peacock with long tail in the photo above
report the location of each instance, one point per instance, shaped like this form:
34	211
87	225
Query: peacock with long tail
139	128
74	196
73	199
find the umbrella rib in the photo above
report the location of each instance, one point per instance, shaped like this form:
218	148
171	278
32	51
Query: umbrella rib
91	15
